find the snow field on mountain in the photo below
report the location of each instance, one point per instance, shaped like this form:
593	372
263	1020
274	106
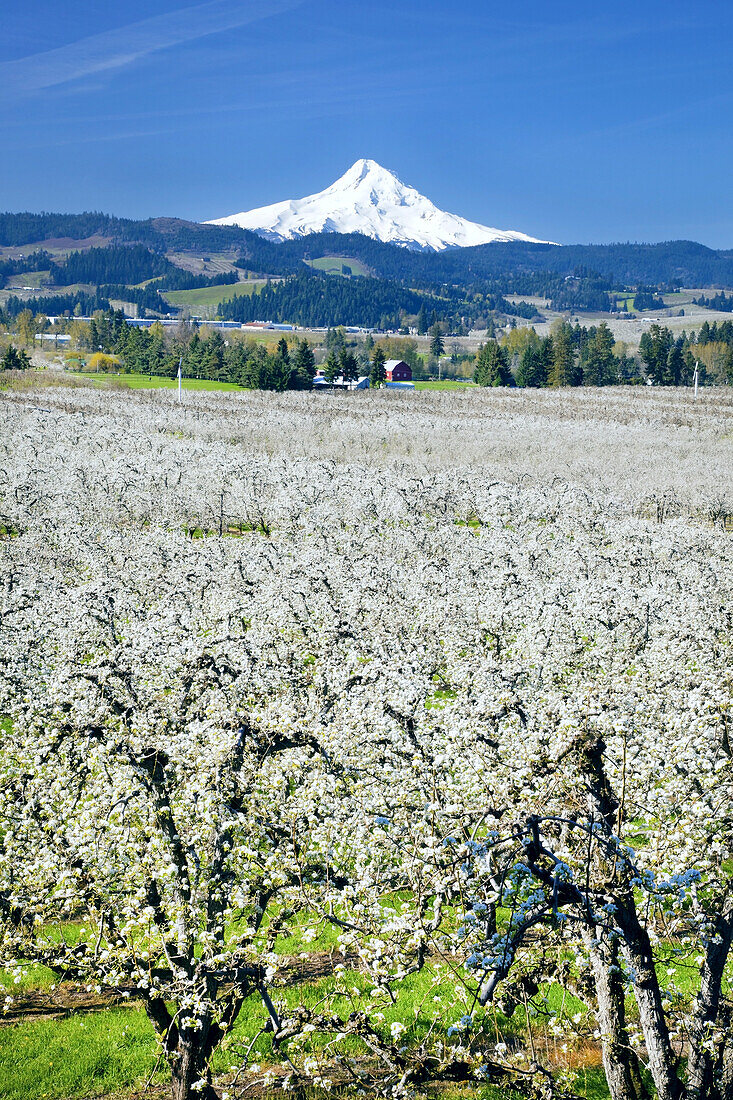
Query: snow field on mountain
370	199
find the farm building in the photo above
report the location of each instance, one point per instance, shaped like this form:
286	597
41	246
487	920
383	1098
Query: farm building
320	383
398	370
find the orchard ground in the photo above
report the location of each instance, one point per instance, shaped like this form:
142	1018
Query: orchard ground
466	599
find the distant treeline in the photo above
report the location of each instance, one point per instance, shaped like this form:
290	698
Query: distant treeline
244	362
312	299
158	233
79	303
722	302
122	265
37	261
178	279
682	262
577	356
315	300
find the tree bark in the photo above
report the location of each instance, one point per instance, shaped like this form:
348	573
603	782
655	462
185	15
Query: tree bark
637	949
619	1060
704	1064
189	1065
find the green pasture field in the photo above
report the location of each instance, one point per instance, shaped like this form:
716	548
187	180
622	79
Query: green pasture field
156	382
444	384
208	298
152	382
332	265
28	278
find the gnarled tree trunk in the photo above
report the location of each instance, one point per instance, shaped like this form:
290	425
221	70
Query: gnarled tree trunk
620	1062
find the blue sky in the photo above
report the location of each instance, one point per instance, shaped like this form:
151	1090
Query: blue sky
575	121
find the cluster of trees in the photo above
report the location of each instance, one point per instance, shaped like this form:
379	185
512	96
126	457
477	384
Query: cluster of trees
672	361
80	304
242	361
14	359
720	301
577	356
317	300
127	264
36	261
571	356
647	297
717	332
251	364
668	361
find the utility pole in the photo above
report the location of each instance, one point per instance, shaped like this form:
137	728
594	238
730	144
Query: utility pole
696	376
180	377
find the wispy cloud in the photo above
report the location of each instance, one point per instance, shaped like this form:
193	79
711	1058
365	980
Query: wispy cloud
124	45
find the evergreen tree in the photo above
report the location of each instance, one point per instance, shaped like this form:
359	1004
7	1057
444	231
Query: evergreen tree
348	366
212	360
378	374
492	366
532	369
563	369
15	359
600	367
654	348
331	367
675	364
335	339
280	369
255	371
422	320
437	346
303	367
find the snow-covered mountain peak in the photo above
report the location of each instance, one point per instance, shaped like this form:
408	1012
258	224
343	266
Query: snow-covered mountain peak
372	200
359	170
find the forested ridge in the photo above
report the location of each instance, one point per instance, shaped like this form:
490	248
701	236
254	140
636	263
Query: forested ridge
687	262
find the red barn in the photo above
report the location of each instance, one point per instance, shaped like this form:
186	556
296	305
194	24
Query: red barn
398	371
